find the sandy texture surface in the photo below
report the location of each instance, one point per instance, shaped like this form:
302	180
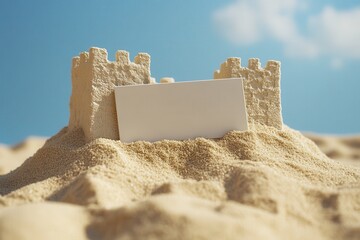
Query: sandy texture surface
264	184
13	156
344	148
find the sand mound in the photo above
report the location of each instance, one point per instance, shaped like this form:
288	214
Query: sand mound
12	157
345	148
43	221
264	184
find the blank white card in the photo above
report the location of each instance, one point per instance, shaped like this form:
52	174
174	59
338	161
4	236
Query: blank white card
179	111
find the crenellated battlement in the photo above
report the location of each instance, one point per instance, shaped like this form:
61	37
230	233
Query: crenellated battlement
261	87
232	66
100	55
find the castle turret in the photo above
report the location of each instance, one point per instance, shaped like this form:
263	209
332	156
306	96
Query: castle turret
261	87
92	103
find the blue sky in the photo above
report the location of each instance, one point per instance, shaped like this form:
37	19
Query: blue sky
318	44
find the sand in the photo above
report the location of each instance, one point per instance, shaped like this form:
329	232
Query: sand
344	148
263	184
12	157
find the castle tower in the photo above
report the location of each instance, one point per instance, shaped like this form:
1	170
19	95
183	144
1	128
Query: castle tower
261	87
92	102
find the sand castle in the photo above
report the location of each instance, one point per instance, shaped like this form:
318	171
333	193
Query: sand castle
257	184
92	103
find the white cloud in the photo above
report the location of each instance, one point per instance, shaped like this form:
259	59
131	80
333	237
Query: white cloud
337	32
336	63
239	22
333	33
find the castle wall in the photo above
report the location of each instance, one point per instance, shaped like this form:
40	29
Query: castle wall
261	87
92	103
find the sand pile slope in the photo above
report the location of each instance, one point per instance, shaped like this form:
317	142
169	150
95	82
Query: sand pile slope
14	156
345	148
264	184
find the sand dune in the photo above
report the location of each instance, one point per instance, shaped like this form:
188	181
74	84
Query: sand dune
12	157
345	148
263	184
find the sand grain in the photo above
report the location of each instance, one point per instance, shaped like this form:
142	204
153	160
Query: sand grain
263	184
